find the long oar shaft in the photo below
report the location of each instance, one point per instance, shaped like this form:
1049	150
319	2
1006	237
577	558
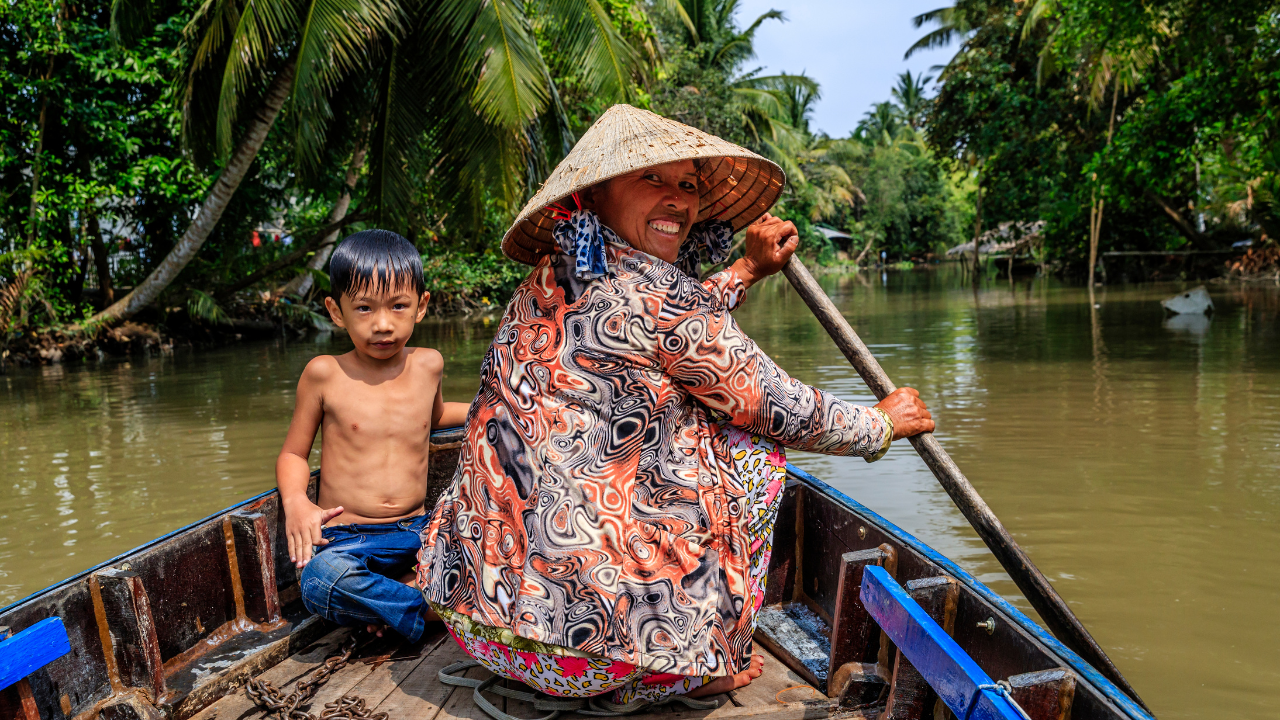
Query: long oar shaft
1033	584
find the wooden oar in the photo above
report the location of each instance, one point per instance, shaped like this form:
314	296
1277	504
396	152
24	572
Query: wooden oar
1033	584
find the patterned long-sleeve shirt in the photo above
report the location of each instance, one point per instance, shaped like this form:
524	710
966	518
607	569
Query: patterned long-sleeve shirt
590	509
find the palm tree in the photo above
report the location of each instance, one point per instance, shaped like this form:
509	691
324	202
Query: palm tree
297	51
776	110
910	96
880	125
712	25
773	109
461	78
812	161
952	23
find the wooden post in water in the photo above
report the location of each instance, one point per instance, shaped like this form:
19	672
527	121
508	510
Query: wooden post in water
1033	584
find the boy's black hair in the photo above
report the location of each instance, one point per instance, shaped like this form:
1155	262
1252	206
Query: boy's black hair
375	261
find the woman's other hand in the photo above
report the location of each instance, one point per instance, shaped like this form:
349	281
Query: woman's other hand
769	245
909	414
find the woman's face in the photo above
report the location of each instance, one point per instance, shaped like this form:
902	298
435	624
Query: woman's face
651	209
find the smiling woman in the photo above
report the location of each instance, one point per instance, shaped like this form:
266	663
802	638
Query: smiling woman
655	209
623	460
652	208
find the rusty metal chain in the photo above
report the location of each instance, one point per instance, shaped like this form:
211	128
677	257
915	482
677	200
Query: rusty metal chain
285	707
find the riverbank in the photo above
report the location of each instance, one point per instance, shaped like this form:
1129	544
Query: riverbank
467	289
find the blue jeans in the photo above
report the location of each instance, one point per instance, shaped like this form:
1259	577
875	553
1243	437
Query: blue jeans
354	580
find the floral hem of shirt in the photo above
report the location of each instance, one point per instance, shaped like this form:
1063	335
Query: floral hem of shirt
463	624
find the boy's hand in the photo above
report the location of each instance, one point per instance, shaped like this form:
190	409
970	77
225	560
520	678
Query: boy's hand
303	521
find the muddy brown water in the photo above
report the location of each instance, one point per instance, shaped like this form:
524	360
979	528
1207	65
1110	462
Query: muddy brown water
1135	457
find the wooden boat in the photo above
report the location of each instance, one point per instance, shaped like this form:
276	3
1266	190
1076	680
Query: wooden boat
173	630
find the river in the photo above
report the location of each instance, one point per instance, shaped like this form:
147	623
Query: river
1135	458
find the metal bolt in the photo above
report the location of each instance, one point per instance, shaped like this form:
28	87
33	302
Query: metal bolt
862	532
989	625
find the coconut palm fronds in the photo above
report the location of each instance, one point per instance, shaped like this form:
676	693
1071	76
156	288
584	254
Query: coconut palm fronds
202	305
12	295
300	313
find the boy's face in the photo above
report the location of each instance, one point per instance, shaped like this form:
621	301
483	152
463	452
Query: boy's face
379	323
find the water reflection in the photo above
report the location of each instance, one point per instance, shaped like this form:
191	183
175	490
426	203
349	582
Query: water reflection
1137	459
1136	463
1193	324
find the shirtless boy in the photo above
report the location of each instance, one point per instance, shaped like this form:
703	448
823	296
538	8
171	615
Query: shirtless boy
377	405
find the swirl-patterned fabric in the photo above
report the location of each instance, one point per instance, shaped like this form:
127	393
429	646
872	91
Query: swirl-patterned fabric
592	507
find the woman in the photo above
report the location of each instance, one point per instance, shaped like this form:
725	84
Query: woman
610	523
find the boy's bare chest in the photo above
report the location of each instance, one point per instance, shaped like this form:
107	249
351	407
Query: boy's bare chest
401	408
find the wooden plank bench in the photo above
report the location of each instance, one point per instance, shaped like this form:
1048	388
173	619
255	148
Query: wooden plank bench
927	651
27	652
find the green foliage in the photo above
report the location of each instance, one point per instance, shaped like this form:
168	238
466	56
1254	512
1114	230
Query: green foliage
1062	107
300	313
202	306
89	141
701	96
118	116
23	295
463	280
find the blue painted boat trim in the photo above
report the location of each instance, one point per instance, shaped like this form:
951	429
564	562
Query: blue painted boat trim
153	543
32	649
965	688
1083	670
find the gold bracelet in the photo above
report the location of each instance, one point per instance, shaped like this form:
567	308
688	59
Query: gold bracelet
888	435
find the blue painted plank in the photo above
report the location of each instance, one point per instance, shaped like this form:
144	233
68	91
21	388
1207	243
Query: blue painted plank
940	661
1086	672
32	649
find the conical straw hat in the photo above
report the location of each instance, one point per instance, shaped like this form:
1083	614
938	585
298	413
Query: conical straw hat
737	185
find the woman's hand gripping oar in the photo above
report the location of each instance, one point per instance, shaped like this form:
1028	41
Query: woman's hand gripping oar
1033	584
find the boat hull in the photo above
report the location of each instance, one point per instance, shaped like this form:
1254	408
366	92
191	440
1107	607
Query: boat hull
166	629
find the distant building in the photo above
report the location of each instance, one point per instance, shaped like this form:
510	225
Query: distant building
1008	236
839	237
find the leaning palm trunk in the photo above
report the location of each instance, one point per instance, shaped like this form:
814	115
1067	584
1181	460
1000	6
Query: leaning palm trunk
215	203
871	238
301	285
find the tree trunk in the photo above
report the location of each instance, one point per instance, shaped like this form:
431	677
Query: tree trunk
215	203
1095	231
1187	229
1096	206
871	238
275	266
977	231
101	262
301	285
34	210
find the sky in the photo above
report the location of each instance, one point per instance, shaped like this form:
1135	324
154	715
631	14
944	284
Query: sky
853	48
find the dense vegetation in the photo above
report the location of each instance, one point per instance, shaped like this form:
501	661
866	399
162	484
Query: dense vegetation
192	162
1140	125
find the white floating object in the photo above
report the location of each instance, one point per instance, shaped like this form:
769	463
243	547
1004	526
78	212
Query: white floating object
1189	302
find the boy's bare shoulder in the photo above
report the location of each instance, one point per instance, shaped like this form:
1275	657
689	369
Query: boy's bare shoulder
428	359
321	369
